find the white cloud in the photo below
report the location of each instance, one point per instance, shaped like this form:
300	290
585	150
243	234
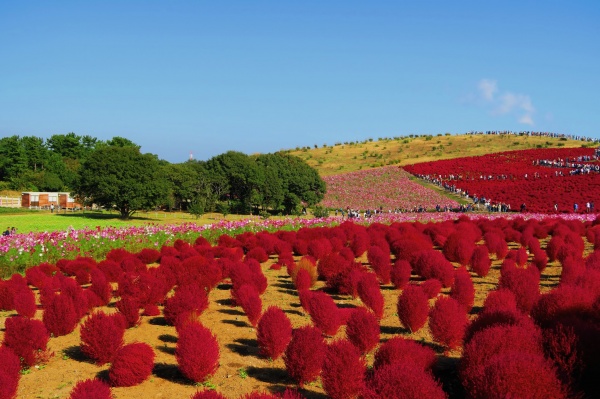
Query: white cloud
507	103
487	88
526	119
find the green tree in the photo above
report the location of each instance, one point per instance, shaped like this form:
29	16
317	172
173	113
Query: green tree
300	183
123	178
241	175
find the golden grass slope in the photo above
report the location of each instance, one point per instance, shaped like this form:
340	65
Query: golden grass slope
351	156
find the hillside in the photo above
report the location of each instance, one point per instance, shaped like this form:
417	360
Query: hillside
352	156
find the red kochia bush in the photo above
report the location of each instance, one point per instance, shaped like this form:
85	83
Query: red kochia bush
400	274
303	280
492	341
432	264
100	286
197	352
9	373
362	329
149	255
27	338
480	261
274	332
324	313
447	322
459	248
343	370
91	389
208	394
496	244
25	302
518	375
431	287
259	254
59	315
370	294
413	308
188	298
403	380
401	350
462	289
247	297
102	336
305	354
130	309
380	262
131	365
524	283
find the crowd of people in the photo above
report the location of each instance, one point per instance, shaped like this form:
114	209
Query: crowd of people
539	134
577	165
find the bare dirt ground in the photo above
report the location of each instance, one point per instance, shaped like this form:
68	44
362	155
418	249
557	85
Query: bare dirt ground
241	369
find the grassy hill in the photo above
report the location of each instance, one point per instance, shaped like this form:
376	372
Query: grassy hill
352	156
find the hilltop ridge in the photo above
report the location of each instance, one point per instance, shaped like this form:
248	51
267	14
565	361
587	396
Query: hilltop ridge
347	157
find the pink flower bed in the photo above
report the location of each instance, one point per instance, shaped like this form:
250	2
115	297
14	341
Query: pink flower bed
388	187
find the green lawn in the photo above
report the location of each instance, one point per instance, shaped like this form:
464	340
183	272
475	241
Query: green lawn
28	221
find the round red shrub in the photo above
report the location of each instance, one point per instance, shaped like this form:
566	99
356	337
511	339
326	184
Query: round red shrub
431	287
401	350
480	261
130	309
496	244
403	380
91	389
187	299
25	302
400	274
258	254
324	313
362	329
370	294
197	352
459	248
70	288
258	278
59	315
303	280
553	246
247	297
562	301
111	270
207	394
462	289
562	346
9	373
343	370
433	264
274	332
305	354
492	341
524	284
100	286
380	262
149	256
447	322
498	300
131	365
102	336
27	338
413	308
332	264
518	375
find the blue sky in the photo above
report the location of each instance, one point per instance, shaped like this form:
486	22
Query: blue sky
260	76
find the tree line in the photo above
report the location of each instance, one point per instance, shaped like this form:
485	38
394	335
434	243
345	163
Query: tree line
115	174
